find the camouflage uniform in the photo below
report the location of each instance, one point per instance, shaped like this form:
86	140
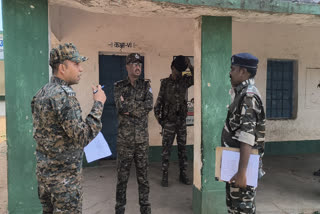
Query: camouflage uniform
133	139
61	135
171	111
245	123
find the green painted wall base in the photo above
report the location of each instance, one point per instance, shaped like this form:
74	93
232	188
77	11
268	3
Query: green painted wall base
209	202
292	147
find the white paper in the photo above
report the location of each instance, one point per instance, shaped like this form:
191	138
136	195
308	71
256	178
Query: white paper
230	164
98	148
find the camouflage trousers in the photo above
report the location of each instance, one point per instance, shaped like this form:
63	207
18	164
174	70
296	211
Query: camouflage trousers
128	152
60	194
170	130
240	200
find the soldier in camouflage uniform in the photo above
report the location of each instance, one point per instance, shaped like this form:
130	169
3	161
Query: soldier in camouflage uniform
171	111
134	100
245	129
61	133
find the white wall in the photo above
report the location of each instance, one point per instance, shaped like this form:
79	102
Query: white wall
270	41
158	39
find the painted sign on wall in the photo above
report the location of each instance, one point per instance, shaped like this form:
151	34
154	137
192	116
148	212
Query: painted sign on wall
122	45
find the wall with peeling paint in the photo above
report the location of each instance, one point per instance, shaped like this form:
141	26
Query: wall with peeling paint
158	39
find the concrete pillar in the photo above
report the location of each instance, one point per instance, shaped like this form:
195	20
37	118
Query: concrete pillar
25	26
213	48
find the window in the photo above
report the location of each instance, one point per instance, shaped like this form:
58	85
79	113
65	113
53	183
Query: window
281	89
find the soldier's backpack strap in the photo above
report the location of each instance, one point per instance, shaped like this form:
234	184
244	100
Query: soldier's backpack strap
68	90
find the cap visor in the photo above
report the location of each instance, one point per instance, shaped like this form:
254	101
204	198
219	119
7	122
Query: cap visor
79	59
137	60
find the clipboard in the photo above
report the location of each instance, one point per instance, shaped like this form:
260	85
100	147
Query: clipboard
219	150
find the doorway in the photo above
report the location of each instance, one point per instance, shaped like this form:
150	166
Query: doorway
112	68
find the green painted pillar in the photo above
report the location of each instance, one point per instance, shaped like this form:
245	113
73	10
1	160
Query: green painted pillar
216	50
25	27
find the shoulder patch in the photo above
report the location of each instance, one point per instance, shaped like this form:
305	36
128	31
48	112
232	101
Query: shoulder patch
119	82
68	90
252	90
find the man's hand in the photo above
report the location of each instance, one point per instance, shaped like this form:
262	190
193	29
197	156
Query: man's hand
239	179
99	95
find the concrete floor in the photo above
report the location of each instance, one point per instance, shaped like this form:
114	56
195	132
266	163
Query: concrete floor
288	188
100	191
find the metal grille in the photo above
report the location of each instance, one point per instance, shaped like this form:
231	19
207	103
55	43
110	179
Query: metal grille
280	89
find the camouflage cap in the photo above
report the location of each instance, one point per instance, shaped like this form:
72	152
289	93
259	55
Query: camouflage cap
65	52
133	57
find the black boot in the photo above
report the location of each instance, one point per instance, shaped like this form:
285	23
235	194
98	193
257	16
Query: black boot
164	181
184	178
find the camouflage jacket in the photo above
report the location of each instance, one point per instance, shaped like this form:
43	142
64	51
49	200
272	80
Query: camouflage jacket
246	118
171	104
138	102
59	129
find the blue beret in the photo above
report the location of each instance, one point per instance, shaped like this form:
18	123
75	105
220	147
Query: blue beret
245	60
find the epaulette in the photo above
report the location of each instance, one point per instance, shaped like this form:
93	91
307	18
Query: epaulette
119	82
147	80
164	79
251	91
68	90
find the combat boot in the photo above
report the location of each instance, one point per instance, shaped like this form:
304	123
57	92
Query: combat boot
164	181
184	178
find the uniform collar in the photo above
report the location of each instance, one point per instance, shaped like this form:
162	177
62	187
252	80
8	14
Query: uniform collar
58	81
243	85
